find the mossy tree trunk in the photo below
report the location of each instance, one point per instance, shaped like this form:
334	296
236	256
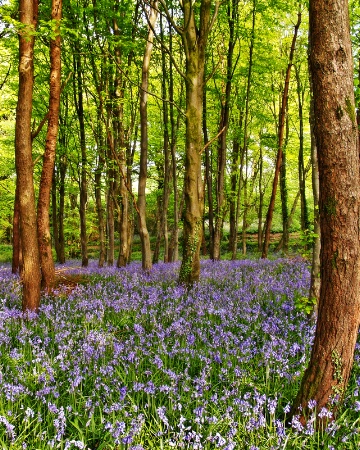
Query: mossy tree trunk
194	38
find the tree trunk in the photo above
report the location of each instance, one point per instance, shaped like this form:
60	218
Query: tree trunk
143	231
62	169
208	179
194	42
30	276
261	198
16	234
54	213
331	65
174	240
78	96
270	212
284	191
98	197
43	208
305	224
315	265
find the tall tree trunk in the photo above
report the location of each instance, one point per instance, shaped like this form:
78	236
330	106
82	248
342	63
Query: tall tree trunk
246	123
194	43
62	169
208	179
315	281
16	234
43	207
305	224
224	123
261	199
270	212
331	65
235	182
143	231
98	197
78	96
54	213
30	275
284	190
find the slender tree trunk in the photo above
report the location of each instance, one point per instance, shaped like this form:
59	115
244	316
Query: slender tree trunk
16	234
235	181
143	231
315	281
270	212
78	96
82	178
208	179
261	199
331	65
98	198
284	190
43	207
110	213
62	169
30	275
246	120
305	224
54	213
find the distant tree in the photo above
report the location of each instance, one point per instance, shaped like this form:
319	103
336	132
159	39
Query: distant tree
336	133
30	273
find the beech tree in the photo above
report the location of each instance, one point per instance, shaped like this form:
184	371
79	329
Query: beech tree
43	219
336	133
30	273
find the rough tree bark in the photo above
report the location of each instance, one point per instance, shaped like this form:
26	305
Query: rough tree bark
194	40
43	207
30	275
336	133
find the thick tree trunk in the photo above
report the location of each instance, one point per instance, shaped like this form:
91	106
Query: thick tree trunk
143	231
43	208
30	276
271	207
331	65
194	42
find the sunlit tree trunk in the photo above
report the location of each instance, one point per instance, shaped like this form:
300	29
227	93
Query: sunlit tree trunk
30	275
43	207
331	65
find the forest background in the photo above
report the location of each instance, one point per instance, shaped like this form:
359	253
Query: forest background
98	160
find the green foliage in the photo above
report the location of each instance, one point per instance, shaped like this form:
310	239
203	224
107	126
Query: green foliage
305	305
